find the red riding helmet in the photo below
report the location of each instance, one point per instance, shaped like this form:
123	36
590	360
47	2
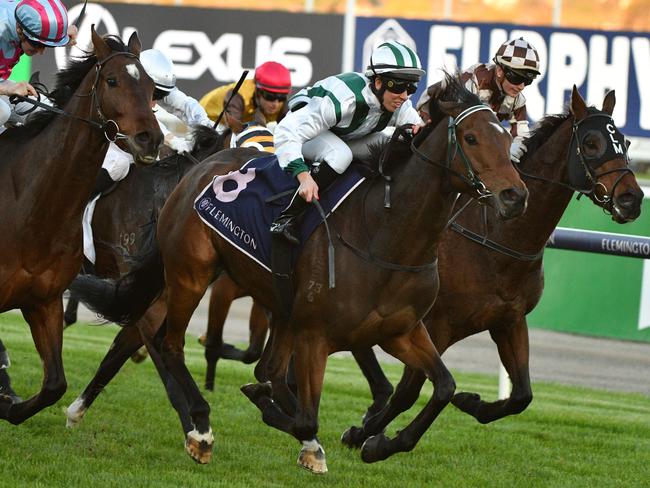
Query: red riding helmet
273	77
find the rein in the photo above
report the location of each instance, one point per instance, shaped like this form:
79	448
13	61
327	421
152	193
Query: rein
108	126
472	179
454	147
592	176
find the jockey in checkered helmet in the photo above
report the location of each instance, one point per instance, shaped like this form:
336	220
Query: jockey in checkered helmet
519	61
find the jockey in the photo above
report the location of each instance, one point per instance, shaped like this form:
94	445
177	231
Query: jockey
338	118
28	26
500	85
161	69
261	100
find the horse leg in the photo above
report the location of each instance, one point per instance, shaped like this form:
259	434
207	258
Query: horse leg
126	342
405	396
258	326
46	325
185	288
310	358
70	314
417	351
221	297
5	381
512	343
380	387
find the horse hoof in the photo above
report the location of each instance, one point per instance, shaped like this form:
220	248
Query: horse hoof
466	402
312	458
199	446
353	437
74	413
375	449
139	355
256	391
203	339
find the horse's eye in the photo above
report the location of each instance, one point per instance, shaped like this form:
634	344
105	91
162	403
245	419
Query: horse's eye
470	139
111	82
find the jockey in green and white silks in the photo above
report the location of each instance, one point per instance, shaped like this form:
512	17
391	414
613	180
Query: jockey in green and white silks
338	118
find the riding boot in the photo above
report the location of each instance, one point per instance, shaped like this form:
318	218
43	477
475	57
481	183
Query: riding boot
5	382
286	225
102	183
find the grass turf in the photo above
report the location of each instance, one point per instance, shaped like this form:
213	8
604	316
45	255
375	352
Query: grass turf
131	436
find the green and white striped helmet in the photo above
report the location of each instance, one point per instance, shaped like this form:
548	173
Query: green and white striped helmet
396	60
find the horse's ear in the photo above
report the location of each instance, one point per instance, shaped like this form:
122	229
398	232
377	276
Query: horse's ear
102	51
578	105
135	46
609	102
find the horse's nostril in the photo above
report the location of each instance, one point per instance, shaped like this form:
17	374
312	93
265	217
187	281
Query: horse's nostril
627	200
510	196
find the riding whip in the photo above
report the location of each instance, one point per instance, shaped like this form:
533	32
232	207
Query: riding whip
232	94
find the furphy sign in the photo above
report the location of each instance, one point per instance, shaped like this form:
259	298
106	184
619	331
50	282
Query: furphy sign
211	47
595	61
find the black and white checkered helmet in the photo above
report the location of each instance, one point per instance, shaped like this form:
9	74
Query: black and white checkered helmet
518	54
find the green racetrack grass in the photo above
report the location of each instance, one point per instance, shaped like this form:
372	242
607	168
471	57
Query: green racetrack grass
131	437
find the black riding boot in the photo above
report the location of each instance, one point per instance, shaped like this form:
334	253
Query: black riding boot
286	225
5	382
102	183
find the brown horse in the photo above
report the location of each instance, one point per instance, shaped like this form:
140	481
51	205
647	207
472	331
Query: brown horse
47	172
493	286
380	299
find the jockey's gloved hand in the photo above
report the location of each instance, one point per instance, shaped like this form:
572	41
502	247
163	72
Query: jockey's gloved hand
517	150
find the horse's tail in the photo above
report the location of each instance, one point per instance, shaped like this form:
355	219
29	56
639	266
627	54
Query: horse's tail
125	300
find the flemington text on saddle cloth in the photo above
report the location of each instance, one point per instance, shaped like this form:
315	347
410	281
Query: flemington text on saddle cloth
240	206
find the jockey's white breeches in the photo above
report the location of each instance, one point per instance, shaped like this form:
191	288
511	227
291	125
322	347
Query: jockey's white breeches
16	114
117	162
337	153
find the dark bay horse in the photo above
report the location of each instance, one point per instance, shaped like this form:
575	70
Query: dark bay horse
47	173
124	223
492	287
377	301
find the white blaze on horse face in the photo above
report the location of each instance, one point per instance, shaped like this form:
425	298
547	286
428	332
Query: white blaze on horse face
499	127
133	70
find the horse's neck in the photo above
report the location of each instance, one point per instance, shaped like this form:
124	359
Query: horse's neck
66	162
547	201
421	202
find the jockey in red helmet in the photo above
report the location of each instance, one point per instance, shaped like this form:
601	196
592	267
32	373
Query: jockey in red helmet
28	26
261	100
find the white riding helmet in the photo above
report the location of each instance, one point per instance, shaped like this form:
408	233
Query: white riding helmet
160	68
396	60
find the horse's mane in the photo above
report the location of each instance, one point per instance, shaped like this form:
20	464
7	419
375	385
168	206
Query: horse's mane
67	82
207	141
450	89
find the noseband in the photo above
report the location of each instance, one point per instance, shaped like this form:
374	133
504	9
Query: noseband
454	147
590	174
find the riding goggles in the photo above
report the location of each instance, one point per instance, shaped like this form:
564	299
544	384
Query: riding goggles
517	78
398	86
272	97
35	44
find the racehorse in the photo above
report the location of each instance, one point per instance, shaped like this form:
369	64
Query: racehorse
380	299
515	278
48	170
491	271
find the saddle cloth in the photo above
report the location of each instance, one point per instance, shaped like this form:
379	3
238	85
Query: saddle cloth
241	205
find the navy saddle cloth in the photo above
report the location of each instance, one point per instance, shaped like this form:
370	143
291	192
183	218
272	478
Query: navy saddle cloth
241	207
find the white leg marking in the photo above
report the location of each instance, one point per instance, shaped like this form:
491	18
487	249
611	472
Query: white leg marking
75	412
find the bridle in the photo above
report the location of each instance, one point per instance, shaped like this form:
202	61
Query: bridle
454	147
108	126
592	177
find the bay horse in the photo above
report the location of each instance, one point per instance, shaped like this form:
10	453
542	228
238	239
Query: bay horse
380	299
48	170
492	279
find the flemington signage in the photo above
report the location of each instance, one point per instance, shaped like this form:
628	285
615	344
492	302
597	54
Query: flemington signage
210	47
593	60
